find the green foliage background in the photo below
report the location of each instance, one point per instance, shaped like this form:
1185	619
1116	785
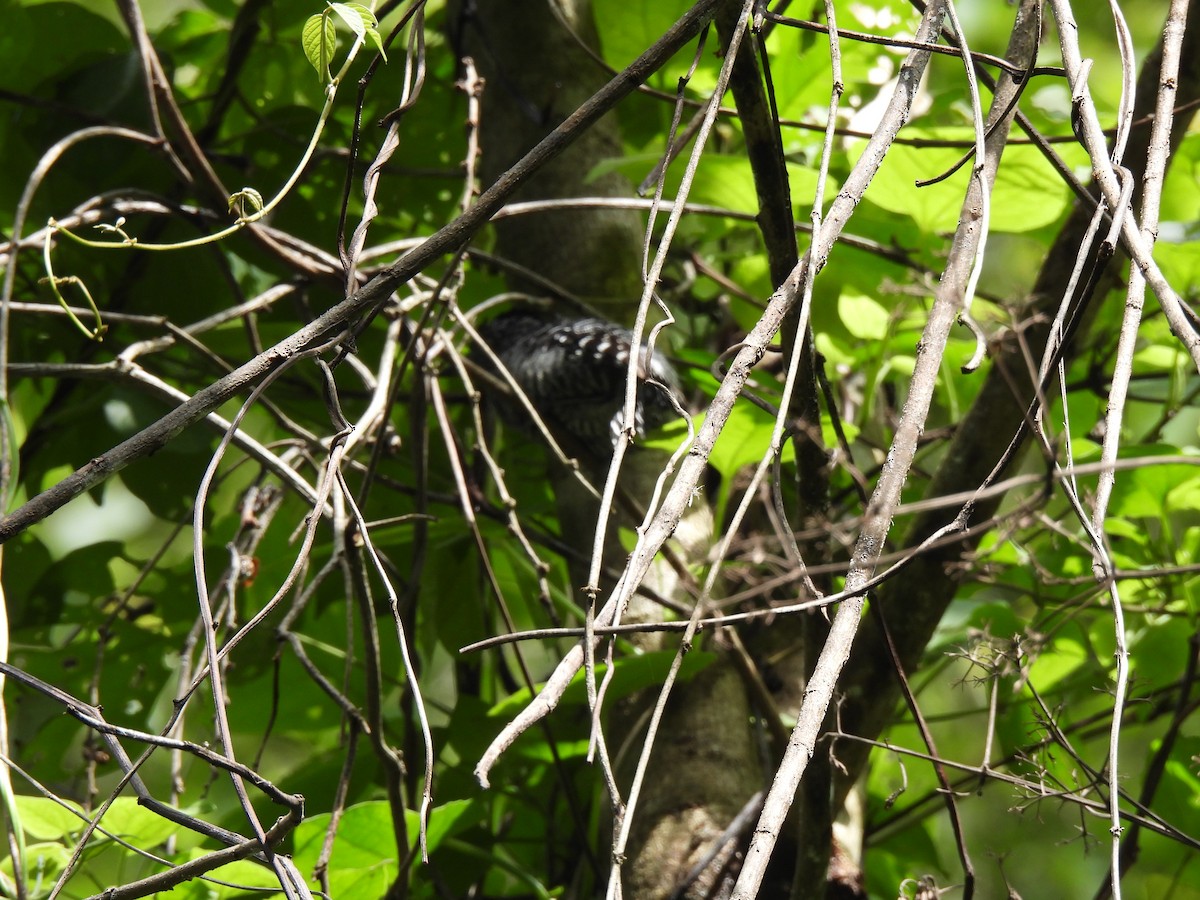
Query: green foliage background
101	597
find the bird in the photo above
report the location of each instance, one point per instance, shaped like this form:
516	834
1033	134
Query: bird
574	370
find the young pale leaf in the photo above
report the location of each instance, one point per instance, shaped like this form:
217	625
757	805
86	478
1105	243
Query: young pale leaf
246	202
376	41
319	39
362	22
356	16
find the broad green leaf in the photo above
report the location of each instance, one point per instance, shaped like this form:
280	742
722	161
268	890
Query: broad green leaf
445	820
627	28
998	618
319	39
1180	263
863	317
1027	195
44	819
560	749
829	433
1159	356
1143	491
1181	199
912	850
744	439
364	850
1185	496
136	824
47	860
1057	661
243	873
1160	651
835	351
1188	779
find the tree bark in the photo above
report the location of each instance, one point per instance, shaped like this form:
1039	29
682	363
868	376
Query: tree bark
705	765
536	75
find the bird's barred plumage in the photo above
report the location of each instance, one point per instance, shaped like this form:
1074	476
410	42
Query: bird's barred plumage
574	371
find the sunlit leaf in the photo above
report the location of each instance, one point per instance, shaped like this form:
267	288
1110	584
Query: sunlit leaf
319	40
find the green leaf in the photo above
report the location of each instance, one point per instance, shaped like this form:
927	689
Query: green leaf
364	850
136	824
912	850
744	440
373	38
362	22
1028	194
43	819
1144	491
357	17
241	872
863	316
47	860
1184	497
245	202
1188	796
319	39
1159	356
1180	263
998	618
1056	662
1181	200
446	820
627	27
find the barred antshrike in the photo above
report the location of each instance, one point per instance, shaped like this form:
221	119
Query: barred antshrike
574	371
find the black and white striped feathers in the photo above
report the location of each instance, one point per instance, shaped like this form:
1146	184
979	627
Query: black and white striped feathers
574	373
